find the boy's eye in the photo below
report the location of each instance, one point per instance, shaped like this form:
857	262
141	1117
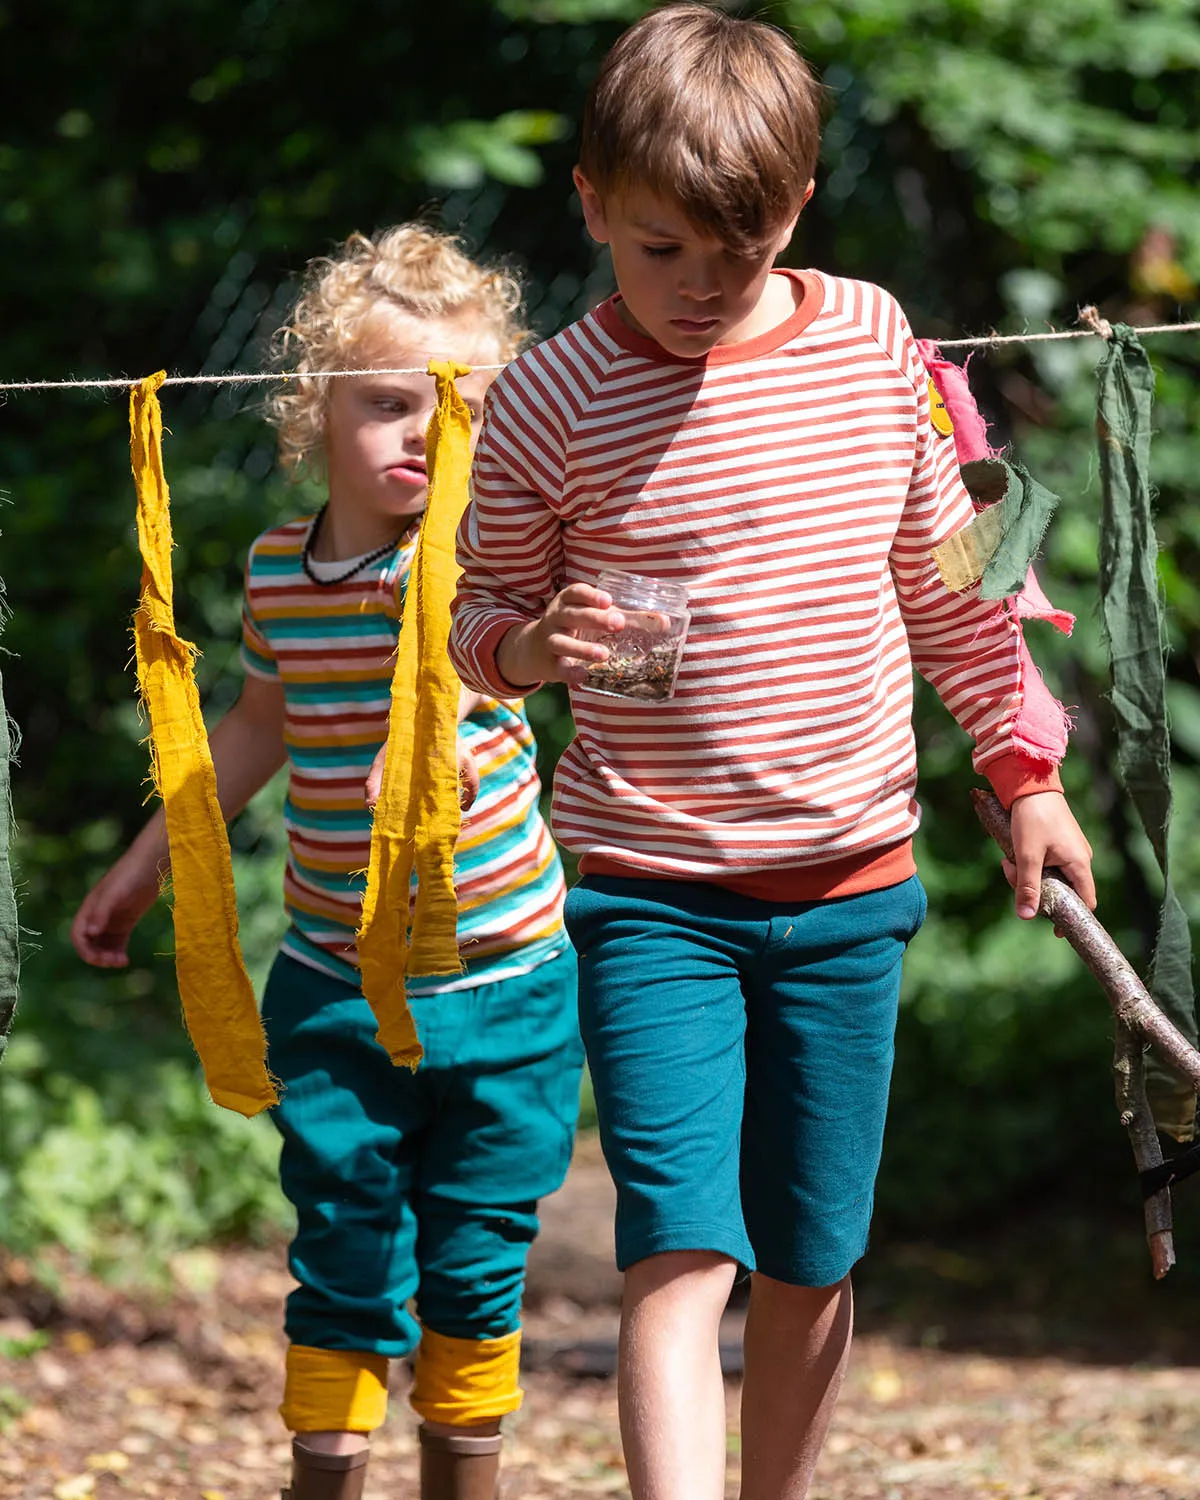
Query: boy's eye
659	252
394	405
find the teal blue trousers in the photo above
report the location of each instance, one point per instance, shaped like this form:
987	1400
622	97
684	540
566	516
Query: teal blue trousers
419	1187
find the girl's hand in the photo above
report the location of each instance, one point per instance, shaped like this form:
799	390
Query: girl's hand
111	910
468	779
1044	832
549	649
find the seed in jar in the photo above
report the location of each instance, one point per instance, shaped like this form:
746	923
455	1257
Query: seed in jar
643	674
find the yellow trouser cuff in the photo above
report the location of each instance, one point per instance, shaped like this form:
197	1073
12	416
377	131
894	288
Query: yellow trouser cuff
334	1390
463	1381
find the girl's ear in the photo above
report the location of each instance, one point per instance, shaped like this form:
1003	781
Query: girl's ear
593	208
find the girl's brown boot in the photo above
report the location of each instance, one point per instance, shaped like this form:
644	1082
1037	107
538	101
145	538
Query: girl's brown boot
459	1467
326	1476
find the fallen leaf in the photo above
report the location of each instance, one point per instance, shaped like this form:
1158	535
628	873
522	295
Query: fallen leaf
112	1463
884	1385
75	1489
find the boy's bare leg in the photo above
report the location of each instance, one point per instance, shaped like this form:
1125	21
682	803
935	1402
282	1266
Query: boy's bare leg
671	1394
796	1345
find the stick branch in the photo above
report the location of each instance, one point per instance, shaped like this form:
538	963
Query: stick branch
1139	1020
1130	1079
1132	1003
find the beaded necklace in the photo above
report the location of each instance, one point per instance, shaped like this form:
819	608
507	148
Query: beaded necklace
362	562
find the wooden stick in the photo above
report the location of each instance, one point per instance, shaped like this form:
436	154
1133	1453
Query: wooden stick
1138	1020
1132	1003
1130	1077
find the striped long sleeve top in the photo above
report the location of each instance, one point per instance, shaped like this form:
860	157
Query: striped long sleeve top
795	485
332	648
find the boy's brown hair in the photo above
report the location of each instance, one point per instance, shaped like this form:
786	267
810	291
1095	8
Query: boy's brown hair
718	115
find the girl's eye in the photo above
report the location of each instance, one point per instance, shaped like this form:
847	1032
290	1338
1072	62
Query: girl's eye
393	405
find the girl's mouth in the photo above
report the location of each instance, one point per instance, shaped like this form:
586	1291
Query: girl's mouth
410	473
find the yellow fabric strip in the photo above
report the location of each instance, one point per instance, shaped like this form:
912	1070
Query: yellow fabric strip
334	1390
463	1381
218	1001
417	815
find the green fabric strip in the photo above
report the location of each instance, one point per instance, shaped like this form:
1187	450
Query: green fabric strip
10	953
1023	508
1132	616
1027	507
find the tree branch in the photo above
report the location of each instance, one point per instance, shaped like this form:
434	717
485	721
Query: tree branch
1130	1079
1139	1020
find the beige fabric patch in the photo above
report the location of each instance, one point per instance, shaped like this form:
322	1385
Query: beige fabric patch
962	558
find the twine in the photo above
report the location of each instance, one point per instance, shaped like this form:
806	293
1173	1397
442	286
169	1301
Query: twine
230	377
1096	327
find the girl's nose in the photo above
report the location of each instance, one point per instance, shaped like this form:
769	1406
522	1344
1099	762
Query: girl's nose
418	425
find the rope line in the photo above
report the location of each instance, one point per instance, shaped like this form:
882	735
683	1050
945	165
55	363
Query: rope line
992	339
231	377
252	377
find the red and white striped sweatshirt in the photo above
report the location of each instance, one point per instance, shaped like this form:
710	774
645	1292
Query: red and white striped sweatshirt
795	485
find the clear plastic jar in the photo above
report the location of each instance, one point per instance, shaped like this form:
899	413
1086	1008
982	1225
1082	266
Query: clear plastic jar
643	659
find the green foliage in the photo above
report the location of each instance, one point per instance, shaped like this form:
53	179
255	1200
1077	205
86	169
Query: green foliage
12	1406
463	154
122	1180
23	1346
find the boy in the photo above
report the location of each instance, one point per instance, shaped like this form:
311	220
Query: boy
748	889
424	1185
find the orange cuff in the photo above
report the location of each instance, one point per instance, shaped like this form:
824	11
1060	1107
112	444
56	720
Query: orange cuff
1015	775
465	1381
334	1390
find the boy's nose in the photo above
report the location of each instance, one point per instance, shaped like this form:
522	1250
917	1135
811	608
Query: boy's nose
700	285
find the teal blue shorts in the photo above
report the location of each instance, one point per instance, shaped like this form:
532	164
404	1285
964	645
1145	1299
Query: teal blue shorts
422	1186
741	1055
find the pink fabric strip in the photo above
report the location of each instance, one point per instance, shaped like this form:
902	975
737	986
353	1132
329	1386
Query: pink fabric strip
1042	723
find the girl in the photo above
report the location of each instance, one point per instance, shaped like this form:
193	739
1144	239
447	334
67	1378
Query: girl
407	1187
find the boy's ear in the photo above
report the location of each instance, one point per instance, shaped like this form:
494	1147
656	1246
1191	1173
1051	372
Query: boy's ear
790	228
593	208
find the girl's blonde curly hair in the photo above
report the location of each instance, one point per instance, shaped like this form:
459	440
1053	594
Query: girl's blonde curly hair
410	270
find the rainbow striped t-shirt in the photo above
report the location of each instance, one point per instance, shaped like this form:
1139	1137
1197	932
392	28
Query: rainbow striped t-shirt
332	646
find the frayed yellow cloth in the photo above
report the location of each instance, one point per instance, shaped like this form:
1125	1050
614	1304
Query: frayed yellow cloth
334	1390
218	1001
417	815
463	1381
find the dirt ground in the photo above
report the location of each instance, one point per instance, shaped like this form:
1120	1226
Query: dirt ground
959	1387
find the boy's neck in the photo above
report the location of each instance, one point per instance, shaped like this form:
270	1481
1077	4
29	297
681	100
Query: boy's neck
781	297
344	536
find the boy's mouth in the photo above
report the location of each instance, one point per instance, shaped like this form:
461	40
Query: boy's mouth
695	325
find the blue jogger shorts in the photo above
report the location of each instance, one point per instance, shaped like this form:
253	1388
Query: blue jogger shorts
420	1185
741	1054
